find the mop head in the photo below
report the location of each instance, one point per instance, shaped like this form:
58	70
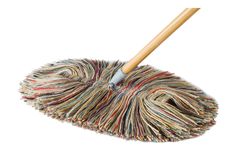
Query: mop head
148	105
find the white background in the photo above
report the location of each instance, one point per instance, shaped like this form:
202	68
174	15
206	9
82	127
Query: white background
33	33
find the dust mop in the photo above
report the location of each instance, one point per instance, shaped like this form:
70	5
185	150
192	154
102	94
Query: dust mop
122	98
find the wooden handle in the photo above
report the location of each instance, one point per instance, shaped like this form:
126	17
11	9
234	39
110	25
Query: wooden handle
162	36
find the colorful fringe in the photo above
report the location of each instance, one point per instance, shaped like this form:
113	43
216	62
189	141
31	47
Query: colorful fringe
148	105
